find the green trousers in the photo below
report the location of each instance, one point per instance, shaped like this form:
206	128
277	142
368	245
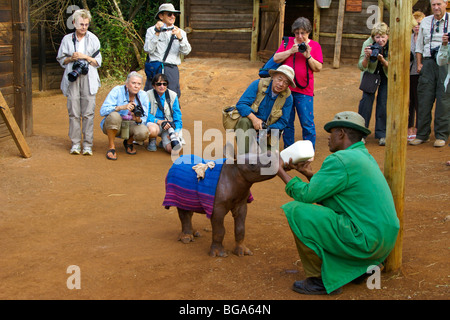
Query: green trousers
247	140
312	264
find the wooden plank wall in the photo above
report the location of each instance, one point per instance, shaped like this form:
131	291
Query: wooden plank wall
6	57
53	72
15	64
355	23
219	28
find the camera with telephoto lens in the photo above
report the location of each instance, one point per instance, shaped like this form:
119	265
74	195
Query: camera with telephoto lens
376	50
174	142
138	111
78	67
301	47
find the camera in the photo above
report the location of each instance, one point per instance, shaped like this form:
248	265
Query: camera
79	67
434	52
301	47
138	111
174	142
376	50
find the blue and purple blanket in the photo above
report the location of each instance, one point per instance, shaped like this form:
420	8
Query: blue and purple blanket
185	191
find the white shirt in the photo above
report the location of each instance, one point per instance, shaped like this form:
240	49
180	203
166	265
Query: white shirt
67	48
443	58
424	36
156	46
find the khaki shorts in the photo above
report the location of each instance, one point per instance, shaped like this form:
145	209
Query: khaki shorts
113	121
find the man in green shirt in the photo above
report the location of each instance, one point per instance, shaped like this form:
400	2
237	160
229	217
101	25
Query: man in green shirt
344	219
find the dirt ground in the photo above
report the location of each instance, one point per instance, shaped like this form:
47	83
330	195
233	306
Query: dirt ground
106	217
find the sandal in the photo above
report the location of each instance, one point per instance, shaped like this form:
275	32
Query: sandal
130	147
113	151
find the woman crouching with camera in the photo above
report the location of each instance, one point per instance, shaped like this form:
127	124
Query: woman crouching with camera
79	54
373	59
164	118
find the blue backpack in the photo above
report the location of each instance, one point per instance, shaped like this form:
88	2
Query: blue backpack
270	64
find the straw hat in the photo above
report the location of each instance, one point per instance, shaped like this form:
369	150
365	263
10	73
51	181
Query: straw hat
347	119
287	71
166	7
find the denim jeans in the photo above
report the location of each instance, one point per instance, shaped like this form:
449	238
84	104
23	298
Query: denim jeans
304	106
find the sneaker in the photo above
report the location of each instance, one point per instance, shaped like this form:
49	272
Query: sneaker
417	141
87	151
151	145
439	143
382	142
76	149
411	137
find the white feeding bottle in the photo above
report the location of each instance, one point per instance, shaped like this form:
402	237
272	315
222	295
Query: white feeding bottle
300	151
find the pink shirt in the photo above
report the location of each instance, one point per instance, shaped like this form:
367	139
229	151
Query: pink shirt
300	65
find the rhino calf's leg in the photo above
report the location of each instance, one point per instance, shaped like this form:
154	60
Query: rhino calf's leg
218	233
187	232
239	215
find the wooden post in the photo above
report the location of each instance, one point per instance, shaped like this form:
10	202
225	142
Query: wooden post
11	123
397	114
42	58
381	12
282	8
182	23
255	31
339	28
316	23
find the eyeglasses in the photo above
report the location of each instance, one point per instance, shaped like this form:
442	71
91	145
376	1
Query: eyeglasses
158	84
281	79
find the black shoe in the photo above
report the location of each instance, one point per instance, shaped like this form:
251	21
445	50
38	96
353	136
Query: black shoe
312	285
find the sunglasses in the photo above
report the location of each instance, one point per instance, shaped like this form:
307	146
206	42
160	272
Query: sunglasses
169	14
158	84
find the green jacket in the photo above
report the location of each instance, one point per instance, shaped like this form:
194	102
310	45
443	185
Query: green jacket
372	65
355	225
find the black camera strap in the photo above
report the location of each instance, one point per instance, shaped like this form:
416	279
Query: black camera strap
307	74
432	28
128	96
160	106
172	38
74	39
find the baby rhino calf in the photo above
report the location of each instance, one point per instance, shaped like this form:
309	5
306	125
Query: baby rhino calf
225	187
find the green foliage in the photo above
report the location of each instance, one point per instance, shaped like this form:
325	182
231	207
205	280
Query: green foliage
120	25
116	38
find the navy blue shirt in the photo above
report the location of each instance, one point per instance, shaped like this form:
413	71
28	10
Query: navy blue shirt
265	108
